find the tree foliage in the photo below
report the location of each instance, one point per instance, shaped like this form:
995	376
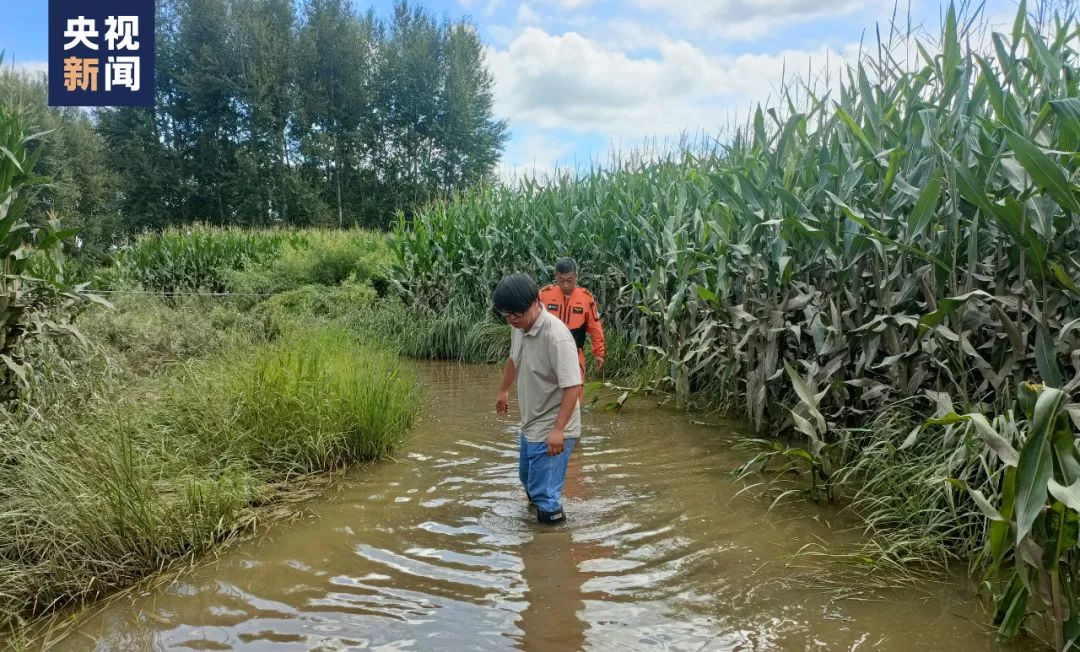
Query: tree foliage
271	112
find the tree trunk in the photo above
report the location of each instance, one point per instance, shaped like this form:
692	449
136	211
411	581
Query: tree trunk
337	176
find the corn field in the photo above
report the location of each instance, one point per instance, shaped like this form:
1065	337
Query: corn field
916	232
912	236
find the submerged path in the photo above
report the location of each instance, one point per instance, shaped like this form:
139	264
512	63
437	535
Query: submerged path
436	551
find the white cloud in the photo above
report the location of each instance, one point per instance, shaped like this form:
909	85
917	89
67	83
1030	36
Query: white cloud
748	19
501	35
489	7
537	155
573	83
572	5
526	15
631	36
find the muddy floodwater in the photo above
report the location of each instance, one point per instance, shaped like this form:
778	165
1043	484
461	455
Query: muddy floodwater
436	550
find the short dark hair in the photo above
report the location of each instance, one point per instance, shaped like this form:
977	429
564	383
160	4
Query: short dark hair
515	293
565	266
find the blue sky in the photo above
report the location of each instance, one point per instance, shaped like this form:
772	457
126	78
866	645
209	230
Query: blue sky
578	79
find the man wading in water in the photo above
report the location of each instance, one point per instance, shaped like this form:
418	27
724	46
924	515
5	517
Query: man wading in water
577	308
544	362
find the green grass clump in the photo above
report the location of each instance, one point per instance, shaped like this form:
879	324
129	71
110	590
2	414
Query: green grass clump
94	499
321	257
451	335
143	332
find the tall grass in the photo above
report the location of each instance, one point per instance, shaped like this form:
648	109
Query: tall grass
144	334
464	336
95	498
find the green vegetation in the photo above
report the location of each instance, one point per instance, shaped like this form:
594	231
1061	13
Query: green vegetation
146	431
882	275
272	113
176	422
142	334
32	277
463	336
319	257
276	112
81	191
159	470
849	265
1034	525
214	260
196	259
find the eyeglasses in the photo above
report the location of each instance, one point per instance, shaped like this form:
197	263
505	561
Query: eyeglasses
511	315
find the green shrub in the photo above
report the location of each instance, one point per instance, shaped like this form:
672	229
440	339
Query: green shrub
312	303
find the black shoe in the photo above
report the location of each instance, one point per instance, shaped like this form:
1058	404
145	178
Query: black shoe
550	518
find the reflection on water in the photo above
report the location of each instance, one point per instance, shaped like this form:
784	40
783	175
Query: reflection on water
553	570
437	550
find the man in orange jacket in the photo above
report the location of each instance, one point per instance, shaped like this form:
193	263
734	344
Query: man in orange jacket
576	307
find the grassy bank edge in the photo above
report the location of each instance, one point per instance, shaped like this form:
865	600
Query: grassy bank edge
265	477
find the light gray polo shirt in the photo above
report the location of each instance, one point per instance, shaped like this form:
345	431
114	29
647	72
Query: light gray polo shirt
546	361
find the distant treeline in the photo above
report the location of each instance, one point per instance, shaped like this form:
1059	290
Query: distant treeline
276	111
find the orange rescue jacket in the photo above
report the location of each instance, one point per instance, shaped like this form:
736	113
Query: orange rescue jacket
580	314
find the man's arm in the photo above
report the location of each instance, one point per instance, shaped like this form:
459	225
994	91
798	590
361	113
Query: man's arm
569	375
502	400
556	441
596	334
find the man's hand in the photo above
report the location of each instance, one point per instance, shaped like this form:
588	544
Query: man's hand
598	361
556	443
502	402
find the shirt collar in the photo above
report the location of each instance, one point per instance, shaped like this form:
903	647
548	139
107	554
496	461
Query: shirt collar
538	324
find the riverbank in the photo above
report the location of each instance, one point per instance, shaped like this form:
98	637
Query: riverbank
167	430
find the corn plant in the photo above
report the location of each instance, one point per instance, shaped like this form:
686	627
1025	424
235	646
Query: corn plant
30	249
197	258
1033	508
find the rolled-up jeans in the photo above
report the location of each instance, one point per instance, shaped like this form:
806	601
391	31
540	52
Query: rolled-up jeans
541	474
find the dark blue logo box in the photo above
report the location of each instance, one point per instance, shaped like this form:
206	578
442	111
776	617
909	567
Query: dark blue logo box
101	52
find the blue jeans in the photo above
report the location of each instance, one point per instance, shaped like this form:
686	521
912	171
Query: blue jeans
541	474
